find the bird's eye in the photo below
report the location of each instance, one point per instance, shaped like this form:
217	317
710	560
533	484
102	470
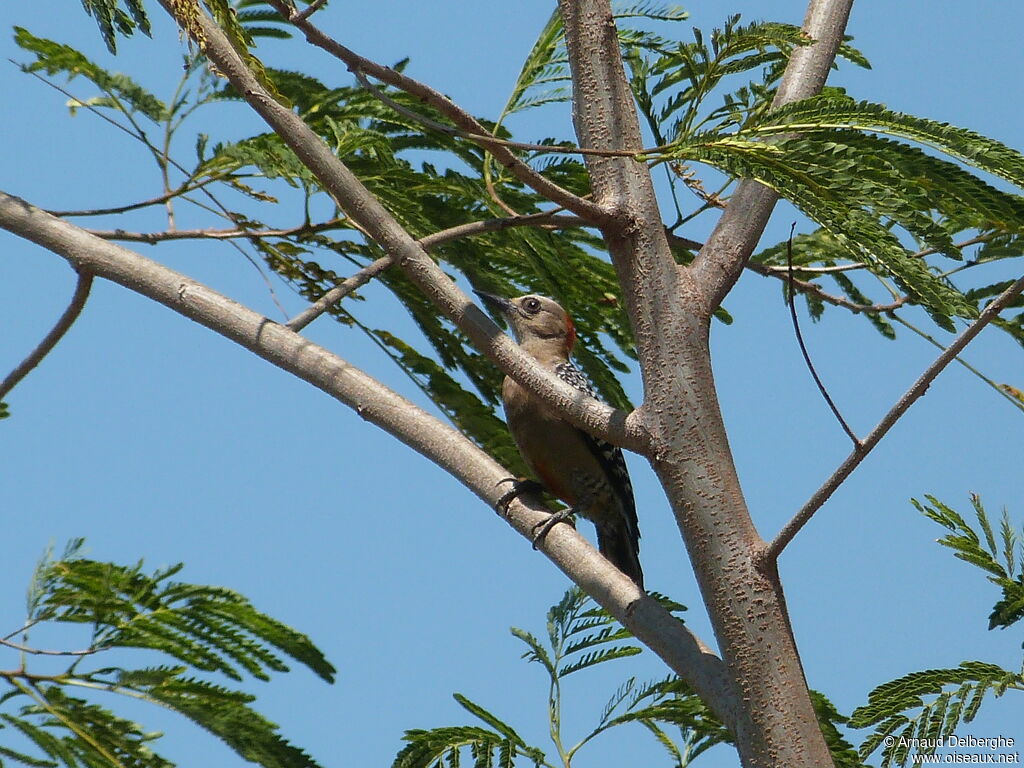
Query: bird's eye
531	305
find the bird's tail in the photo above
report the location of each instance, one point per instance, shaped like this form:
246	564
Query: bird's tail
621	550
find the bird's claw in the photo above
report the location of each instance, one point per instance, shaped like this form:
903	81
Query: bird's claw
519	487
540	530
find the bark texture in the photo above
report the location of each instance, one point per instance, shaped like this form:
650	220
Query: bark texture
670	308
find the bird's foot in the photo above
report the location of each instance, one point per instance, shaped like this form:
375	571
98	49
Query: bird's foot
519	487
540	530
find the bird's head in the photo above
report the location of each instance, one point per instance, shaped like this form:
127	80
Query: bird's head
536	321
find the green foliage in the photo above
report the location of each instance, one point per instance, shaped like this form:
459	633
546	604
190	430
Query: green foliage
580	636
828	158
920	709
185	628
860	187
546	68
252	18
1002	557
844	754
112	19
118	90
958	693
834	110
4	410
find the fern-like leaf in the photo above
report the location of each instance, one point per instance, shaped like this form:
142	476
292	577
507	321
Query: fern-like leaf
56	58
942	699
492	720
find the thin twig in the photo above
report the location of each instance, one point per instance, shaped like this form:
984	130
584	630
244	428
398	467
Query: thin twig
313	7
814	289
682	242
43	652
547	219
770	553
158	200
338	292
936	343
140	136
56	333
916	255
490	138
78	102
803	347
542	219
213	234
27	626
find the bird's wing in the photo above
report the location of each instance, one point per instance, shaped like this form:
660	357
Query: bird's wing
609	456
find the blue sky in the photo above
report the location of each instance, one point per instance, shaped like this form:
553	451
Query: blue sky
156	439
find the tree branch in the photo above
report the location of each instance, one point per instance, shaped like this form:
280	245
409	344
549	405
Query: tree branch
61	327
338	292
489	139
459	117
807	286
43	652
768	556
851	267
371	217
188	186
211	234
685	654
721	260
544	219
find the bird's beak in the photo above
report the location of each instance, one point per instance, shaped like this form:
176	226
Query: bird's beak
497	304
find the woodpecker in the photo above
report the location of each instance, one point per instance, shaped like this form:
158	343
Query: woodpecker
585	472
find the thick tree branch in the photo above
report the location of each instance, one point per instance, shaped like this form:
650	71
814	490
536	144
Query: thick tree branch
459	117
771	552
372	218
66	320
720	262
377	404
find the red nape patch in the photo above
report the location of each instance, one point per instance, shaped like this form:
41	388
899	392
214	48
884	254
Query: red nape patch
570	335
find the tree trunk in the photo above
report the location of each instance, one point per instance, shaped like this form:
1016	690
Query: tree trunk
775	724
